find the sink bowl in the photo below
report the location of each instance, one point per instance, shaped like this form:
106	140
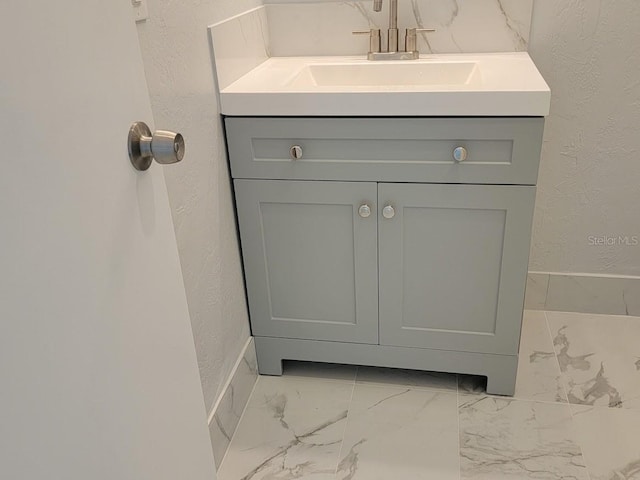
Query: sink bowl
381	74
464	85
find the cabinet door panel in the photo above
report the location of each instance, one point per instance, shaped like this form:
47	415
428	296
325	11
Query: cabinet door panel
453	265
310	259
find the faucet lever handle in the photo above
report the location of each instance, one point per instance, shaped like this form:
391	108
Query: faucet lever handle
374	38
411	38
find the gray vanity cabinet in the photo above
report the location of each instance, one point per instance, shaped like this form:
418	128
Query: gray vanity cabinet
310	259
453	262
365	242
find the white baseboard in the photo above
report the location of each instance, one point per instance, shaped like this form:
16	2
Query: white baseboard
228	409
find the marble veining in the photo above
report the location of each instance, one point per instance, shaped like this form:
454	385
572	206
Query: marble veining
511	439
339	422
324	28
292	428
402	433
539	377
515	29
598	358
609	438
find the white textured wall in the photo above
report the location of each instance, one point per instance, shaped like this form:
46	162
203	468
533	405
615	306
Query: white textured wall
589	185
179	73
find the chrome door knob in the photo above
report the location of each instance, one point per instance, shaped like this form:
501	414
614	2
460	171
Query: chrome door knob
163	146
296	152
364	211
460	154
388	212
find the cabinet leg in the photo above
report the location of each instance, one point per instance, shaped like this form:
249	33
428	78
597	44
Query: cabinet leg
502	380
269	361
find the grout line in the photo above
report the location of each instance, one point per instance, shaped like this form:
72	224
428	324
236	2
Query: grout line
346	423
413	388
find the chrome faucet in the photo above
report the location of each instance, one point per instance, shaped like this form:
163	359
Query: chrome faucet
410	51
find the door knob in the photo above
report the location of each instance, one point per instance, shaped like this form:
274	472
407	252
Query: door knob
163	146
388	212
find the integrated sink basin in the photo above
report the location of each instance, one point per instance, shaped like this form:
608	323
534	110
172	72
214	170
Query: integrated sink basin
386	74
491	84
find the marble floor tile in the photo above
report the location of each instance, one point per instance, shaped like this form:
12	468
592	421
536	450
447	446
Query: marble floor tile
401	434
320	371
407	378
610	441
507	439
599	358
538	370
292	428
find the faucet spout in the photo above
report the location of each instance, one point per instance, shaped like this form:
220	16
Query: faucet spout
392	45
393	14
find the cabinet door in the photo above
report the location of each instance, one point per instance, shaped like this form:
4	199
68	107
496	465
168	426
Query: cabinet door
453	265
310	259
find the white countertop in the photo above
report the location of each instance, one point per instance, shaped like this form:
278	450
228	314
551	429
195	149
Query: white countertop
498	84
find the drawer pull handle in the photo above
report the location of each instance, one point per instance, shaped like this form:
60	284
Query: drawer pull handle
295	152
388	212
460	154
364	211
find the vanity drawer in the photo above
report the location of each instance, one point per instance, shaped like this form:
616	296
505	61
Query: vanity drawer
500	150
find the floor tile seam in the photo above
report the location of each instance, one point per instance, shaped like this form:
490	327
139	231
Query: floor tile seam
514	399
577	438
555	355
574	430
346	424
607	407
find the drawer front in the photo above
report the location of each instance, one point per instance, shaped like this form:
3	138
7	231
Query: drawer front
499	150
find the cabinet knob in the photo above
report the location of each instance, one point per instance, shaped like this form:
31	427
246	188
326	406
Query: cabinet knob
364	211
388	212
296	152
460	154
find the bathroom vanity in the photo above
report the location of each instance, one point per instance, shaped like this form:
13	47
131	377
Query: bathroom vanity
387	225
